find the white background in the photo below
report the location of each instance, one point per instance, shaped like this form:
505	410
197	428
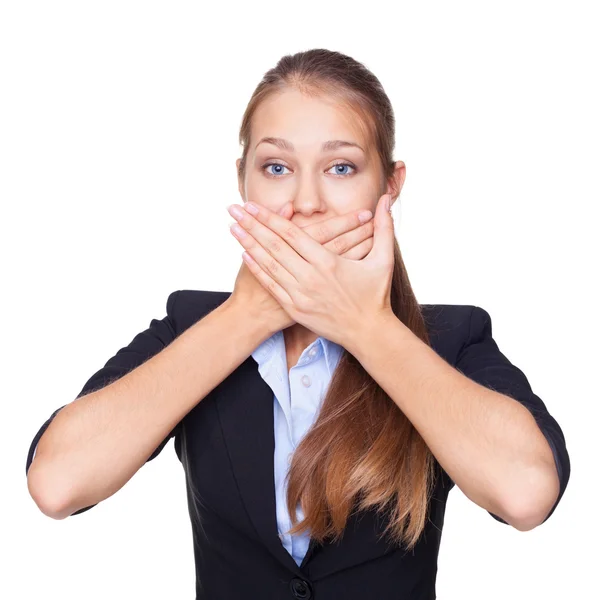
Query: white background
118	140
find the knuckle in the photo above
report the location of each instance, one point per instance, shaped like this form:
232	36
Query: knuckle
322	232
303	304
340	245
273	246
272	266
289	232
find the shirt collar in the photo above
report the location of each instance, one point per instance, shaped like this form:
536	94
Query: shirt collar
275	345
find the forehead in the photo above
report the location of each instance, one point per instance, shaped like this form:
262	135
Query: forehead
306	121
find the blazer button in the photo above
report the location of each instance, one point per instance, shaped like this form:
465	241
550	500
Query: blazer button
300	588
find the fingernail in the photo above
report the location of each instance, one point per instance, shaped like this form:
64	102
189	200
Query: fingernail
251	208
388	199
364	216
235	211
237	230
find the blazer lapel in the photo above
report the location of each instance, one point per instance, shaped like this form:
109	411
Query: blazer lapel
246	415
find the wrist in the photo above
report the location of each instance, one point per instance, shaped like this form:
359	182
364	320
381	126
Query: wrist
244	318
364	332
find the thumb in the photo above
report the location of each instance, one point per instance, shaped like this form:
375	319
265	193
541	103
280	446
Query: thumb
383	231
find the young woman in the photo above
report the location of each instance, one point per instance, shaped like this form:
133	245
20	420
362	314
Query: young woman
321	414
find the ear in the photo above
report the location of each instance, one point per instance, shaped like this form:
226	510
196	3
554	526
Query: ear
395	185
240	180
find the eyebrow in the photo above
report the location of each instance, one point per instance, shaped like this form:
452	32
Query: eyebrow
327	146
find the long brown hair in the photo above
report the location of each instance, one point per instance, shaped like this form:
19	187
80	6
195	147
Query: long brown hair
362	450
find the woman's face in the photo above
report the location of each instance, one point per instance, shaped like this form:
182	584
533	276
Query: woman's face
318	182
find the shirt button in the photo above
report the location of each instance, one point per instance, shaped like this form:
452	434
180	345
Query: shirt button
289	458
312	352
306	380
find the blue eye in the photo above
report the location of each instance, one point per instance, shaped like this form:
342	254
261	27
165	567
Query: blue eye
280	167
342	165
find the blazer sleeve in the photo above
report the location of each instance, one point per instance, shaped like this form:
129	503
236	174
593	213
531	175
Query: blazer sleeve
481	360
144	345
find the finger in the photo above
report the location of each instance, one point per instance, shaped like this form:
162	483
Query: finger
254	230
384	234
267	282
264	260
292	247
346	241
360	250
327	230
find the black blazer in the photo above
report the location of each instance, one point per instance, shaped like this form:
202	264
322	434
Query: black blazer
226	445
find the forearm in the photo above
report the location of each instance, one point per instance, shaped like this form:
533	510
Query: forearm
97	443
488	443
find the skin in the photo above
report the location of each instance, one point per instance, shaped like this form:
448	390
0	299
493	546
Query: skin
309	187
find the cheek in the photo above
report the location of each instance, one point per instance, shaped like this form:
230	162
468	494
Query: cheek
352	196
260	192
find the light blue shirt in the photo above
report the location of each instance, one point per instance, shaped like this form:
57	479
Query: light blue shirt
297	398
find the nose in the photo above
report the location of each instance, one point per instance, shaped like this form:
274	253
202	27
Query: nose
307	198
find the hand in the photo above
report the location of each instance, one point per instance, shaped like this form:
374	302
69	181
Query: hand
344	235
327	293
